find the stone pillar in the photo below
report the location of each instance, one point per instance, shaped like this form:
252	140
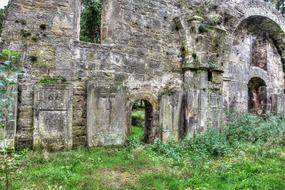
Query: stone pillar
196	101
106	114
171	116
111	13
53	117
25	115
278	102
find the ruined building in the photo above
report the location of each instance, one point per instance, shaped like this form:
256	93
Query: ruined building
189	61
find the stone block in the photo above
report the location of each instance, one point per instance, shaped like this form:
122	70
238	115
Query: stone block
106	115
53	117
171	116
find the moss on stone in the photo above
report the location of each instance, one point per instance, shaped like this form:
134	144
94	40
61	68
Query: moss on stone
48	80
45	57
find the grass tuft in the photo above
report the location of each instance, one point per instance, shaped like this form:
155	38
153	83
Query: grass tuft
247	154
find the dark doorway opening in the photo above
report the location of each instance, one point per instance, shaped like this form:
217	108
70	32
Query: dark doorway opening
257	96
142	128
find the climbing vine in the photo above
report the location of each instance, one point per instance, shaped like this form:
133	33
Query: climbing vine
2	15
90	21
10	70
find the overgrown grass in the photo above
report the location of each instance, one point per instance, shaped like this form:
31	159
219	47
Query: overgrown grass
138	118
222	160
1	133
137	134
137	130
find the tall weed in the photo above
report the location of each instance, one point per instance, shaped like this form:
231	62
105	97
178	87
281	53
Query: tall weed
241	129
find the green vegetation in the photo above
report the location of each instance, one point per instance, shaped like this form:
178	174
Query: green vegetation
248	154
47	80
251	167
137	134
2	15
10	70
1	132
90	22
138	117
137	130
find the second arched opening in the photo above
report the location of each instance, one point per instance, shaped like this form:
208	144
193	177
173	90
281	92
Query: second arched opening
257	96
142	122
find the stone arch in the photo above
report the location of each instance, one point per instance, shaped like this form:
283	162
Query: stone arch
262	14
255	18
151	130
268	25
257	96
236	13
142	95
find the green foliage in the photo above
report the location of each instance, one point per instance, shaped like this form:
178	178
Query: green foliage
9	72
2	16
255	129
90	22
249	167
138	117
241	129
137	135
47	80
215	160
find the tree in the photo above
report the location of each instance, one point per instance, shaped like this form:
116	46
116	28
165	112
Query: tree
9	71
90	22
2	15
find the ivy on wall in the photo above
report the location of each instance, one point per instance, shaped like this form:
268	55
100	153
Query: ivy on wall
2	14
90	21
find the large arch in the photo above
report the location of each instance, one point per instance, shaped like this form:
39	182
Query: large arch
260	14
257	20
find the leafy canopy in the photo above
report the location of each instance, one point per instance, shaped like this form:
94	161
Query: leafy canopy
2	15
90	21
9	71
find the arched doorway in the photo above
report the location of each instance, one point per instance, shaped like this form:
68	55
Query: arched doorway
257	96
257	49
142	122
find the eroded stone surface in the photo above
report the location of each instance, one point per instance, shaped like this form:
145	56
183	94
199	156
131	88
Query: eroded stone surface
106	115
190	60
53	117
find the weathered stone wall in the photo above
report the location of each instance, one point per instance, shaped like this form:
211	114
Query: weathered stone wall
43	31
79	115
241	71
25	115
188	59
53	114
241	62
147	31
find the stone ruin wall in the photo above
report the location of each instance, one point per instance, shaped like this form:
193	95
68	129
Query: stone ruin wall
241	71
141	56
